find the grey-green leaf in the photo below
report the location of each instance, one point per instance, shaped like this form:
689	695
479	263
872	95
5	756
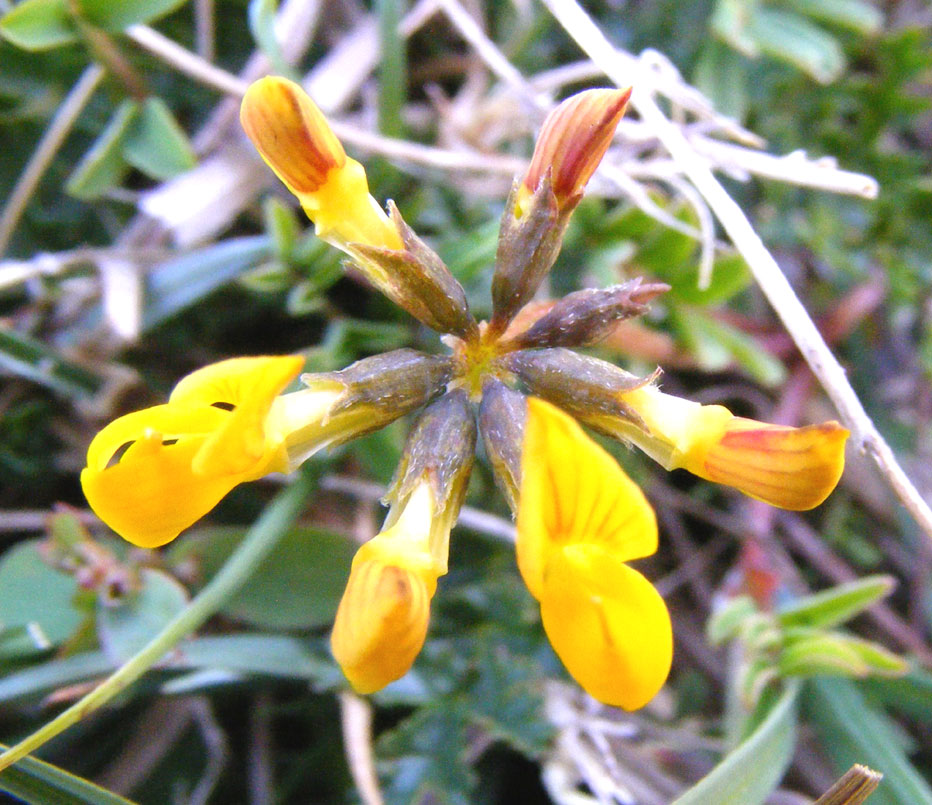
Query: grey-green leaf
22	573
103	166
125	629
751	771
853	732
156	144
793	39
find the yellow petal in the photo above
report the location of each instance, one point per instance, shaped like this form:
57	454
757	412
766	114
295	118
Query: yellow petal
296	141
793	468
573	492
607	624
382	619
150	493
290	133
244	388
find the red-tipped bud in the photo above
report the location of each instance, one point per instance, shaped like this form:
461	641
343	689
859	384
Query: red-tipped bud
573	140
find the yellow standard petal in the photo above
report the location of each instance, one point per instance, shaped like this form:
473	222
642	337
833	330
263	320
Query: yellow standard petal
608	625
295	140
793	468
245	388
574	492
382	619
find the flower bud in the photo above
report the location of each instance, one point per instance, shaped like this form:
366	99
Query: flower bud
793	468
295	140
439	451
579	384
501	423
572	142
416	279
382	619
587	316
366	396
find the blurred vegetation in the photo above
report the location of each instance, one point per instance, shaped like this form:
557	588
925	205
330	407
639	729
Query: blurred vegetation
771	689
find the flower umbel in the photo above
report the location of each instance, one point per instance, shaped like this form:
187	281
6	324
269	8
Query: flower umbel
580	519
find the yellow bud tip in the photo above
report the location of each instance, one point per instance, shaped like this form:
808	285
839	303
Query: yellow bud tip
291	133
573	140
793	468
381	622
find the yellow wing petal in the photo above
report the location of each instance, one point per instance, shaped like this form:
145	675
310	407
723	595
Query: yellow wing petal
573	492
607	624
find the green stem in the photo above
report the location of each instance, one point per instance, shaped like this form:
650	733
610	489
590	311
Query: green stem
260	539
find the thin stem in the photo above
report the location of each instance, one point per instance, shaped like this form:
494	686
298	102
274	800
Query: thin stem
393	69
48	146
259	541
622	69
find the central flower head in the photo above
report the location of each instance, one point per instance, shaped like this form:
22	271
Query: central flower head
514	381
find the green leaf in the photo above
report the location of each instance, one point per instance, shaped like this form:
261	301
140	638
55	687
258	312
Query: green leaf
22	574
36	781
45	24
262	27
156	144
115	15
103	166
730	276
855	15
22	642
853	732
750	772
815	653
126	628
282	225
727	622
298	586
38	25
838	604
793	39
730	21
722	76
910	694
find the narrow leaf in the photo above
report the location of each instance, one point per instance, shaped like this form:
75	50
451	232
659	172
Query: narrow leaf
36	781
751	771
38	25
838	604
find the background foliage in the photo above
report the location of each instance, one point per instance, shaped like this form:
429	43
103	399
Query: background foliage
106	299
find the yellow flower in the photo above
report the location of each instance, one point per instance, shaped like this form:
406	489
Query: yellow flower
580	518
152	473
793	468
296	141
382	619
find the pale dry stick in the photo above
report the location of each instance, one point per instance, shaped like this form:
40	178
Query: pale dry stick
621	67
356	720
185	61
48	146
794	168
204	28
